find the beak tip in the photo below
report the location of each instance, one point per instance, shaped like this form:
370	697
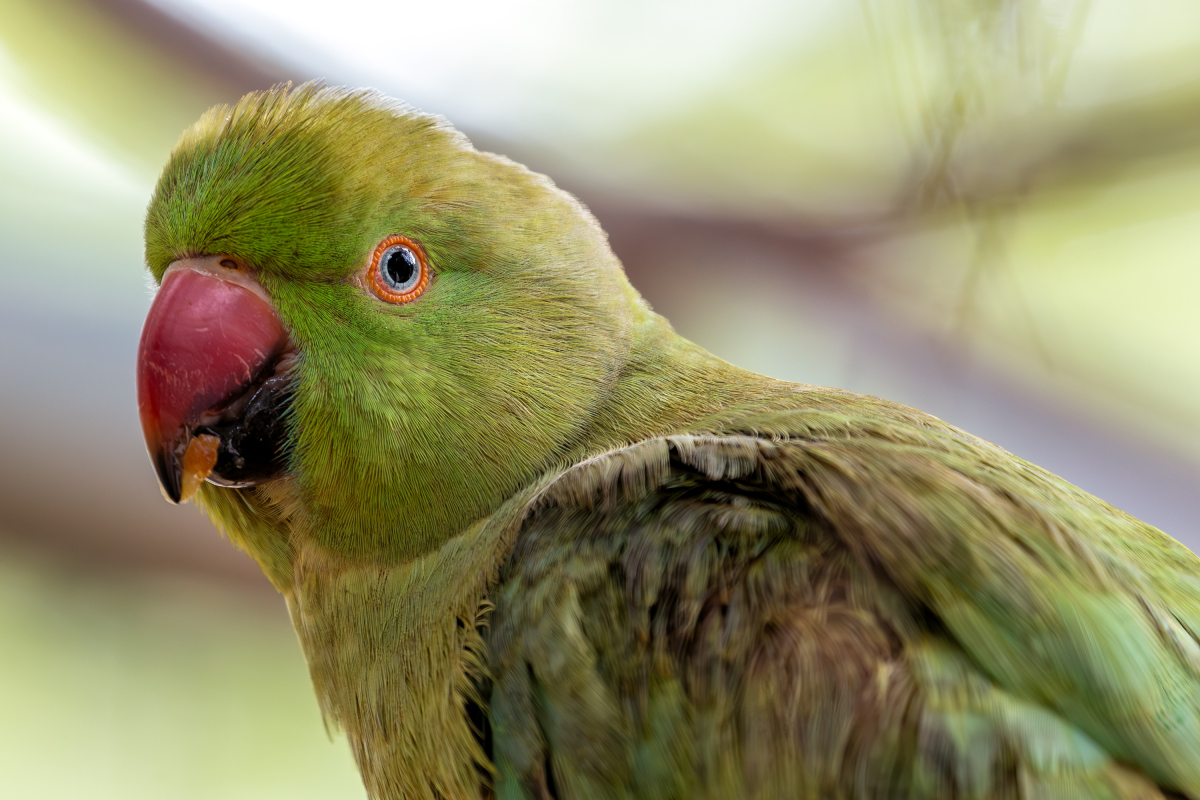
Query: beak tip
169	478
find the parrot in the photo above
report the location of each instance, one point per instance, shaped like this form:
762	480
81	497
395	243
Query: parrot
535	544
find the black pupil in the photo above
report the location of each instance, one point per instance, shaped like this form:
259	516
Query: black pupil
400	266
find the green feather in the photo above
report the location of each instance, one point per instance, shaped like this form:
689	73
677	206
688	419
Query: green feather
535	544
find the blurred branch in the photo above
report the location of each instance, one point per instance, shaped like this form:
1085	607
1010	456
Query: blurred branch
1073	149
983	82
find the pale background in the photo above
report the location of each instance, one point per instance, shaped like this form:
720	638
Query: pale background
989	210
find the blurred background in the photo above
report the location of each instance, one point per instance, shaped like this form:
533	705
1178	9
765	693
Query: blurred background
987	209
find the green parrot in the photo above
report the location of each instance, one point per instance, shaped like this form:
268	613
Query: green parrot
536	545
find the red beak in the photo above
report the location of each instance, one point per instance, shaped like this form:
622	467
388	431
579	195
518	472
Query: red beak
210	335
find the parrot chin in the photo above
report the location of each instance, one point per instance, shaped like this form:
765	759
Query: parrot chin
214	379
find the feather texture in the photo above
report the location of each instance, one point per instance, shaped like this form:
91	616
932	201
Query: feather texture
534	544
693	617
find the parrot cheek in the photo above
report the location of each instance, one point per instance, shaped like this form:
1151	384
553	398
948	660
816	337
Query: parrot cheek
212	379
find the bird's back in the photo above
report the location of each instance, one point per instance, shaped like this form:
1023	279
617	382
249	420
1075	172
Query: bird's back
839	600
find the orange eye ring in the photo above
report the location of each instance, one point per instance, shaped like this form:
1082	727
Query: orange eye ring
399	271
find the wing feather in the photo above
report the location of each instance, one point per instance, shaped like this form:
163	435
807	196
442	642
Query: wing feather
800	608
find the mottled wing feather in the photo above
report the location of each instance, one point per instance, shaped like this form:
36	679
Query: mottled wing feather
1058	597
908	612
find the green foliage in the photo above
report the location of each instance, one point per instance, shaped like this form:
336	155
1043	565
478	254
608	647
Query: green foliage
118	686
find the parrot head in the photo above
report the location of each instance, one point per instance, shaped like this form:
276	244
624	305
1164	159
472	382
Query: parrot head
356	310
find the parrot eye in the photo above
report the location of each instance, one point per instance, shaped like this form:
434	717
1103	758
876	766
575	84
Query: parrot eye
398	272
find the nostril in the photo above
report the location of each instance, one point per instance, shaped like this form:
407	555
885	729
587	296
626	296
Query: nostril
229	263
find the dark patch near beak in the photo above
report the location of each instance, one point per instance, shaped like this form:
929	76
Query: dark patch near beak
253	446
